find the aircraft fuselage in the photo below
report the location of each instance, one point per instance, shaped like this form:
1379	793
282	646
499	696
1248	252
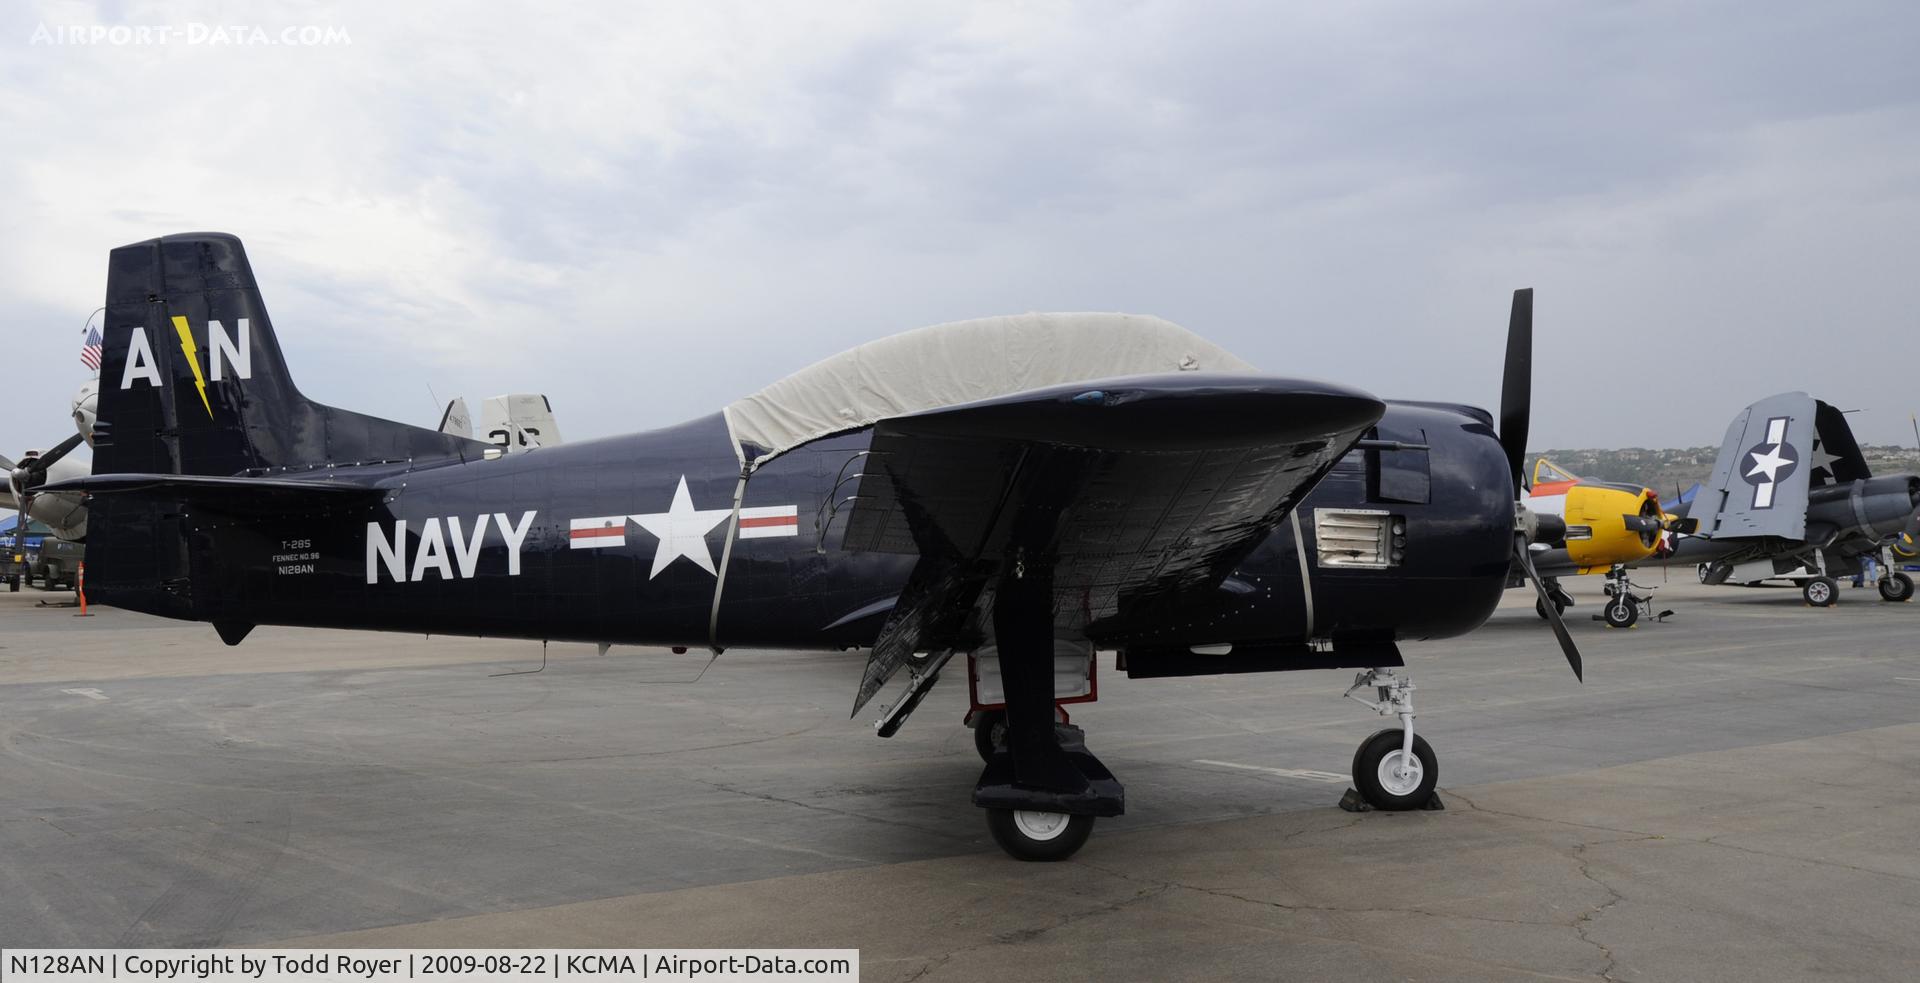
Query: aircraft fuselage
625	540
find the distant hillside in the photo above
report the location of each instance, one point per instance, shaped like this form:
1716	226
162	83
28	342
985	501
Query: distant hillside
1665	470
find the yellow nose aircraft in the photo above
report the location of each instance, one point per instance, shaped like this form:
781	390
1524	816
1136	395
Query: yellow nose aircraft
1609	525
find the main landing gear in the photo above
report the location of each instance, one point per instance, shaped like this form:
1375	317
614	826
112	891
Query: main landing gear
1043	788
1561	599
1394	770
1894	585
1821	591
1625	608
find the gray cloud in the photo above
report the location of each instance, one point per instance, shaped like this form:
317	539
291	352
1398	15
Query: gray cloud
648	211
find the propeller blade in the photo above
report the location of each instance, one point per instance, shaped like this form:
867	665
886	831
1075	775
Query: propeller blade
1546	604
1516	387
60	450
1907	544
1641	523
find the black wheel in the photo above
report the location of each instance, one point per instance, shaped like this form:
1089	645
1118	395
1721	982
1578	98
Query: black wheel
1898	587
1621	612
1540	608
1041	836
1383	777
1704	570
989	732
1820	591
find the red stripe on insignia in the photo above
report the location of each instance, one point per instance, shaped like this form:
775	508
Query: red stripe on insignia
772	520
597	533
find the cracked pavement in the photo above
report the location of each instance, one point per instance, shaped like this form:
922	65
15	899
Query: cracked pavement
1732	795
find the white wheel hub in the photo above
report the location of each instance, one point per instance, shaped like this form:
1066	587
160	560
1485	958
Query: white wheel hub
1817	592
1040	826
1400	773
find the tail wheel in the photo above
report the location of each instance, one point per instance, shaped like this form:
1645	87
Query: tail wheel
1388	779
1038	836
1820	591
1621	612
1898	587
989	733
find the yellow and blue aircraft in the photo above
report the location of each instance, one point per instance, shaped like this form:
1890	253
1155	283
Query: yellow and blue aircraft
1609	525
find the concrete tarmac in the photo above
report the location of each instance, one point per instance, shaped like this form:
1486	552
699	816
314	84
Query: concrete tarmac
1731	795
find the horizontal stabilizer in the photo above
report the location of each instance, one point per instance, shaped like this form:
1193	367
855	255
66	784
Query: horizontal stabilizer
243	496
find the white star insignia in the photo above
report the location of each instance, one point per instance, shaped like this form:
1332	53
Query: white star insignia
1823	461
1771	462
682	531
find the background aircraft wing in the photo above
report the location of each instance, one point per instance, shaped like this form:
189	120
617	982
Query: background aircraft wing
1132	491
1836	456
1760	480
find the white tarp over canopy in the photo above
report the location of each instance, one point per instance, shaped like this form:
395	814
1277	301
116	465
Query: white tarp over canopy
962	362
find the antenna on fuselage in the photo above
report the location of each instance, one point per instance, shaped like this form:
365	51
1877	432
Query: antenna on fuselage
526	672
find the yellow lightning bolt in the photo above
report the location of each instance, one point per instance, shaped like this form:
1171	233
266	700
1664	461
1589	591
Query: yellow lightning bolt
193	360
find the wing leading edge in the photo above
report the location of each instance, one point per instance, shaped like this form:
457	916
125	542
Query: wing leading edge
1130	491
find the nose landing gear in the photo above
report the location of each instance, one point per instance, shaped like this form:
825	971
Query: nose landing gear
1624	608
1394	770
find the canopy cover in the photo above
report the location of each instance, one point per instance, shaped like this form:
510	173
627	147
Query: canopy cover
962	362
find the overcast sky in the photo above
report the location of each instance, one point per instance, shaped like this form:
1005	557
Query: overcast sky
648	209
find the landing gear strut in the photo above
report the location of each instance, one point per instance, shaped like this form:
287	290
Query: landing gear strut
1044	789
1624	608
1894	585
1394	770
1561	599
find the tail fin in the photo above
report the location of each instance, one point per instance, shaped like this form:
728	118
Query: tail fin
193	380
519	421
456	420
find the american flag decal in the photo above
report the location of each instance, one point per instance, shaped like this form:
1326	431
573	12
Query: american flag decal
90	350
770	521
596	532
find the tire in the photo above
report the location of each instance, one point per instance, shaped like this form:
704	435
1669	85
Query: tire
1704	570
1820	591
989	732
1377	755
1898	587
1540	608
1621	612
1038	836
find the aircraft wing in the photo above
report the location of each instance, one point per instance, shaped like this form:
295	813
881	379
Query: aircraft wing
1132	491
1760	480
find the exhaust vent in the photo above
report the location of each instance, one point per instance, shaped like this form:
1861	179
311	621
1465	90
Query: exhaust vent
1362	539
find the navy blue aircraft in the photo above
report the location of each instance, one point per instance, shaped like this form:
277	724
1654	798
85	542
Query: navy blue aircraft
1026	491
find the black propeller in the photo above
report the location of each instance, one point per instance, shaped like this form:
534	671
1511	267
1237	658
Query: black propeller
1516	411
1525	559
32	472
1516	388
